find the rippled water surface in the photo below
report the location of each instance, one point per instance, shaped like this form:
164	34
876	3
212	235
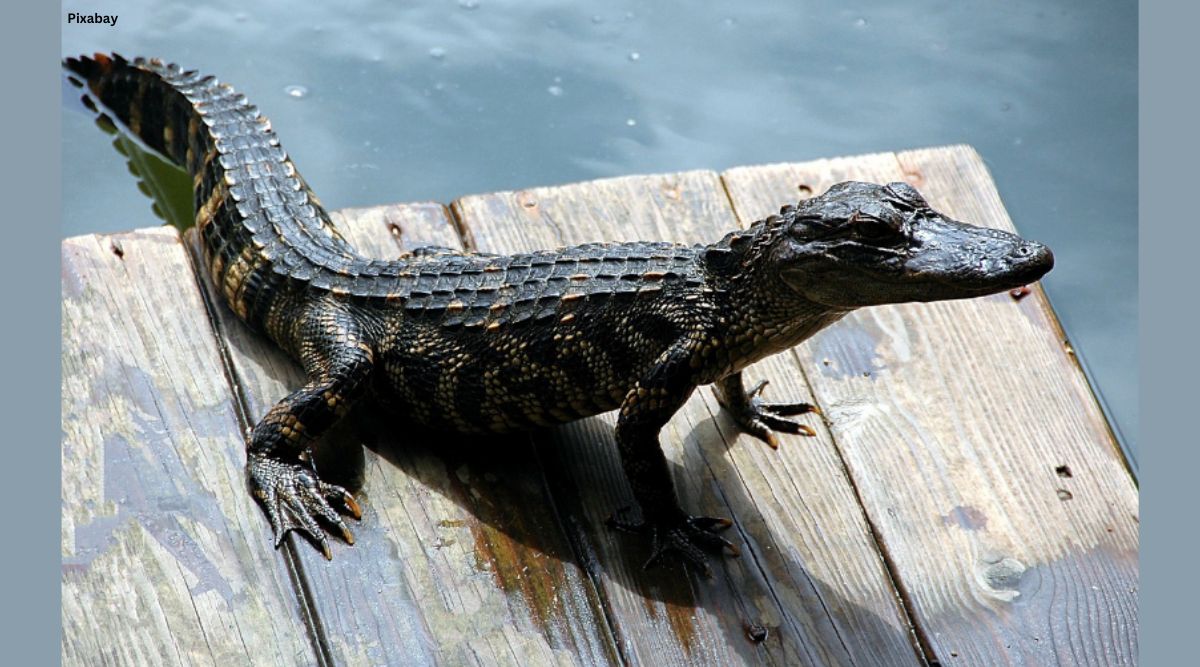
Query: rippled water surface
382	102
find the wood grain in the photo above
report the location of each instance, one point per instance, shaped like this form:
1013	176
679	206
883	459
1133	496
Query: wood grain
459	558
810	579
981	457
162	546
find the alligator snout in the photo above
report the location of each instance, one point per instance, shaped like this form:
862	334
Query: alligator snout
1032	261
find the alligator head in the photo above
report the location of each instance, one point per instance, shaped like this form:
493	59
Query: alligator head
861	244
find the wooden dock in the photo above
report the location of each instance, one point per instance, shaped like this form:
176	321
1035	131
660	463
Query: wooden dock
964	502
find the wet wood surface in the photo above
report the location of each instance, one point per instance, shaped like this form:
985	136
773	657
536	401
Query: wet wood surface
980	455
163	558
809	580
963	501
459	557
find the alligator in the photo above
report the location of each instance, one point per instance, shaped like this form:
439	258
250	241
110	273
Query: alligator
473	342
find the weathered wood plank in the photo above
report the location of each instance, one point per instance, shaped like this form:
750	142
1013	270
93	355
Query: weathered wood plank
979	452
810	575
162	558
459	558
1013	535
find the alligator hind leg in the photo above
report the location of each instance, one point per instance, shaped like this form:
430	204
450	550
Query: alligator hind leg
339	361
758	417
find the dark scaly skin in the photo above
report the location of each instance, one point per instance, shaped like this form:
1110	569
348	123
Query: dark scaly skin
489	343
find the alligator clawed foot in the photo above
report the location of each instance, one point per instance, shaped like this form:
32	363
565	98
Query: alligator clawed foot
294	497
680	538
762	419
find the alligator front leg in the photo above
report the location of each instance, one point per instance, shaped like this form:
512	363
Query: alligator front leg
279	461
646	408
757	417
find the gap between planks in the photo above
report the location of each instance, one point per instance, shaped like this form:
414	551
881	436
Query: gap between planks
577	540
689	207
1066	424
295	568
354	620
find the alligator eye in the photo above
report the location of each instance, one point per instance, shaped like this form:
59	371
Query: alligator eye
870	229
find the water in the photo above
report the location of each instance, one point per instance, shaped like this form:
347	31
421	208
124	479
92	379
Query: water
382	102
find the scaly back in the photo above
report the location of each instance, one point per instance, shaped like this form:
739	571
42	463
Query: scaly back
266	236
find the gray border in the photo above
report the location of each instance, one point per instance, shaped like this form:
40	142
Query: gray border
29	273
1169	238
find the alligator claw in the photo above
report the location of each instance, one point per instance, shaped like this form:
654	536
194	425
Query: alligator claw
762	419
295	497
681	538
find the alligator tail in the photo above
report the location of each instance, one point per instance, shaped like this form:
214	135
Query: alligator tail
263	231
145	102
